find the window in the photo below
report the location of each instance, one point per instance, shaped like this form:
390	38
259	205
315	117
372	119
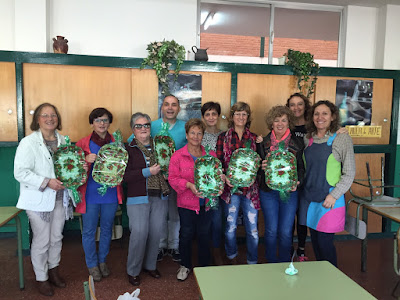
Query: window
240	33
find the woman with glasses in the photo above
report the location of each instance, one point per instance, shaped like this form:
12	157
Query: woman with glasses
146	201
238	136
93	204
44	198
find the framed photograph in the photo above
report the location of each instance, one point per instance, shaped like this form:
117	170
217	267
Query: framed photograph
187	88
354	100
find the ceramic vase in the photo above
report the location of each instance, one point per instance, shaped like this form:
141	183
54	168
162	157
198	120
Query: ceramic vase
60	45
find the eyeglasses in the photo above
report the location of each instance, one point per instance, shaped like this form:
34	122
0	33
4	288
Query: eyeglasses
240	114
104	121
139	126
46	116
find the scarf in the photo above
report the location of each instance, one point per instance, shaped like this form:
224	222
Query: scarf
100	141
154	182
275	142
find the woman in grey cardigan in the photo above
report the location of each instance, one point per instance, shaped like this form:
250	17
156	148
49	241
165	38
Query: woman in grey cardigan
330	170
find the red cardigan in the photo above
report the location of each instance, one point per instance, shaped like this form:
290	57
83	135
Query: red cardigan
81	207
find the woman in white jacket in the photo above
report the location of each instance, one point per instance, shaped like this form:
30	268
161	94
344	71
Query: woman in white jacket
43	196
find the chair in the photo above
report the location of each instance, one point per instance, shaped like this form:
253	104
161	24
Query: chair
356	226
88	287
117	229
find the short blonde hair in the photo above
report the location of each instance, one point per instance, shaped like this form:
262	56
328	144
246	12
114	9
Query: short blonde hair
195	123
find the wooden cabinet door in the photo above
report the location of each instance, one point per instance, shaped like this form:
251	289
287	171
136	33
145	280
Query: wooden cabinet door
76	91
262	92
8	103
381	104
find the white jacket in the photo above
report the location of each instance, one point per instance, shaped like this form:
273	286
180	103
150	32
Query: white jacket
32	164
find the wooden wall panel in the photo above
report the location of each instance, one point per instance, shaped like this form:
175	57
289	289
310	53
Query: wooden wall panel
215	87
145	92
262	92
381	103
374	159
8	102
76	91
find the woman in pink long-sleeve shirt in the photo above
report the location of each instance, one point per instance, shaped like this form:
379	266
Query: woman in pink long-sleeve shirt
193	215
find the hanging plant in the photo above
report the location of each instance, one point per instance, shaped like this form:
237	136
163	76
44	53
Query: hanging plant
159	58
304	67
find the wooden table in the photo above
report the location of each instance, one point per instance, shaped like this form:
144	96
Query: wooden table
315	280
8	213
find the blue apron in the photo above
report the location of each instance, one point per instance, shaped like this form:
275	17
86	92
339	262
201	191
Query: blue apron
323	172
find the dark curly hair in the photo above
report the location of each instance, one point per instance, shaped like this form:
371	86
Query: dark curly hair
279	111
211	106
307	103
99	112
239	106
335	124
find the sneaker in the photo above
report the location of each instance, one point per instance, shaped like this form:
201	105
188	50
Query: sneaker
174	253
302	258
105	272
161	253
183	273
95	272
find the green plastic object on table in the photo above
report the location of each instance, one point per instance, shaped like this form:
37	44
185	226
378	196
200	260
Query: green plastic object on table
164	146
207	178
243	167
68	167
110	165
281	171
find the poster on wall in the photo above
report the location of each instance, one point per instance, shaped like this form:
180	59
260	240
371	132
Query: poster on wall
354	100
187	88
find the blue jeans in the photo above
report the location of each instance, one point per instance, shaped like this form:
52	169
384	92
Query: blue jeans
279	220
192	223
216	224
90	221
250	221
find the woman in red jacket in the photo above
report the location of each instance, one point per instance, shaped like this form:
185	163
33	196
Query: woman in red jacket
93	204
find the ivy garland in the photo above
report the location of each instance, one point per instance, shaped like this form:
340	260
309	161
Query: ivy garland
160	55
304	67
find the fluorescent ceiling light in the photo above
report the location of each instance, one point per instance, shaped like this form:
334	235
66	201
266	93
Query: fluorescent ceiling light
203	17
209	20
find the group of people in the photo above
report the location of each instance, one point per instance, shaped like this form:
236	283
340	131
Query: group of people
167	212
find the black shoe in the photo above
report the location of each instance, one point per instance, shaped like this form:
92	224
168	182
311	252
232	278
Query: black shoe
161	253
153	273
174	253
134	280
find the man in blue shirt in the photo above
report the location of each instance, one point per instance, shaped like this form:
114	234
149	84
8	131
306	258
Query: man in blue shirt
169	242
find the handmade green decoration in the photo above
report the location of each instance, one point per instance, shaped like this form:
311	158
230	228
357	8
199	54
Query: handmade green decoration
68	167
207	178
243	167
164	146
281	171
110	165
